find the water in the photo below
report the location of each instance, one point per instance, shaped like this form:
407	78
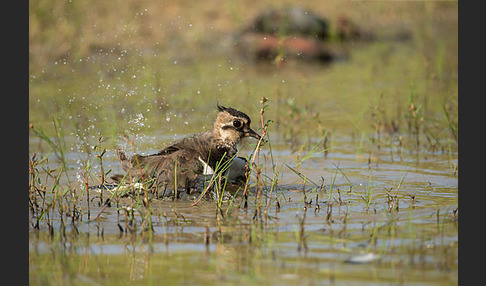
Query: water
420	236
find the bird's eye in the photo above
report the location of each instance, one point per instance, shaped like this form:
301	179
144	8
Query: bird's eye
237	124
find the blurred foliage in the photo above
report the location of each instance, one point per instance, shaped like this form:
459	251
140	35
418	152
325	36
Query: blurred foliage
60	29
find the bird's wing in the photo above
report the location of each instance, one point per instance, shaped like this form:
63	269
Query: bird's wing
190	142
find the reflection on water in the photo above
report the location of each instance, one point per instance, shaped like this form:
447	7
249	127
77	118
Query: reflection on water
291	243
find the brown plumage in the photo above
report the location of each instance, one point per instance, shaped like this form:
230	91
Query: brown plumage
192	158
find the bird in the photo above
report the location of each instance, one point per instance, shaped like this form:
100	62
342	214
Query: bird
190	161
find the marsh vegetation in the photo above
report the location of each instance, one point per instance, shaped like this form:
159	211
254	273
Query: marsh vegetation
357	181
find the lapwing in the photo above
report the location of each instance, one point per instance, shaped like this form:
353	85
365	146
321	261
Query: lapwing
190	161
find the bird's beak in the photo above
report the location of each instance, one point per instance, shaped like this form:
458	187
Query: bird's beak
251	133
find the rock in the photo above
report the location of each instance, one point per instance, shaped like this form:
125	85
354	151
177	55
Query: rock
347	30
287	33
363	258
290	21
268	47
